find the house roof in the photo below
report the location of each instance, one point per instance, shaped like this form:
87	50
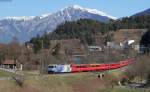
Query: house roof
7	61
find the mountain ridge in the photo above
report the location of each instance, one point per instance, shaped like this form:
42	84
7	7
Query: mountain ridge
26	27
94	11
145	12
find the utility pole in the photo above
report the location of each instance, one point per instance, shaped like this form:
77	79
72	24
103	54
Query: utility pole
41	59
44	59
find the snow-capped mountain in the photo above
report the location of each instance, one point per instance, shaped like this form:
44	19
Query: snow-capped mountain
24	28
20	18
145	12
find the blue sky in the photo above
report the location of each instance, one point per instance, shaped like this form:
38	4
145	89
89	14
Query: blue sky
117	8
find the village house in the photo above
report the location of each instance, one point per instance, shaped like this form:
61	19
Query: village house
9	64
95	48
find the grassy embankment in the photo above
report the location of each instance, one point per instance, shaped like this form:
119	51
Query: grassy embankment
80	82
5	74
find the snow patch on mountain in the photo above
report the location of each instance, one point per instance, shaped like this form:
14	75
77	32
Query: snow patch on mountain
25	18
94	11
45	15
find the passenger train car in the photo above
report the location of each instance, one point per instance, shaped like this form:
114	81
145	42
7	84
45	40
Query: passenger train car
72	68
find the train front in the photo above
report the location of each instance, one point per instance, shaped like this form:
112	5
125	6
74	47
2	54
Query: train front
59	69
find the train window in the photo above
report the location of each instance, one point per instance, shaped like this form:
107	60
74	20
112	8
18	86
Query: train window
95	65
113	64
81	66
50	66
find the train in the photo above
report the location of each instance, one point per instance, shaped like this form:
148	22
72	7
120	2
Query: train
73	68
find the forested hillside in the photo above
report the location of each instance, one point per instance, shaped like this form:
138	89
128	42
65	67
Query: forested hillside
134	22
86	29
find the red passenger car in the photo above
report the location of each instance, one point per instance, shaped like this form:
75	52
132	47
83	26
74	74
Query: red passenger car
99	67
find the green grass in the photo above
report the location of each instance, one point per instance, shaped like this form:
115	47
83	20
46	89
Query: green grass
5	74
